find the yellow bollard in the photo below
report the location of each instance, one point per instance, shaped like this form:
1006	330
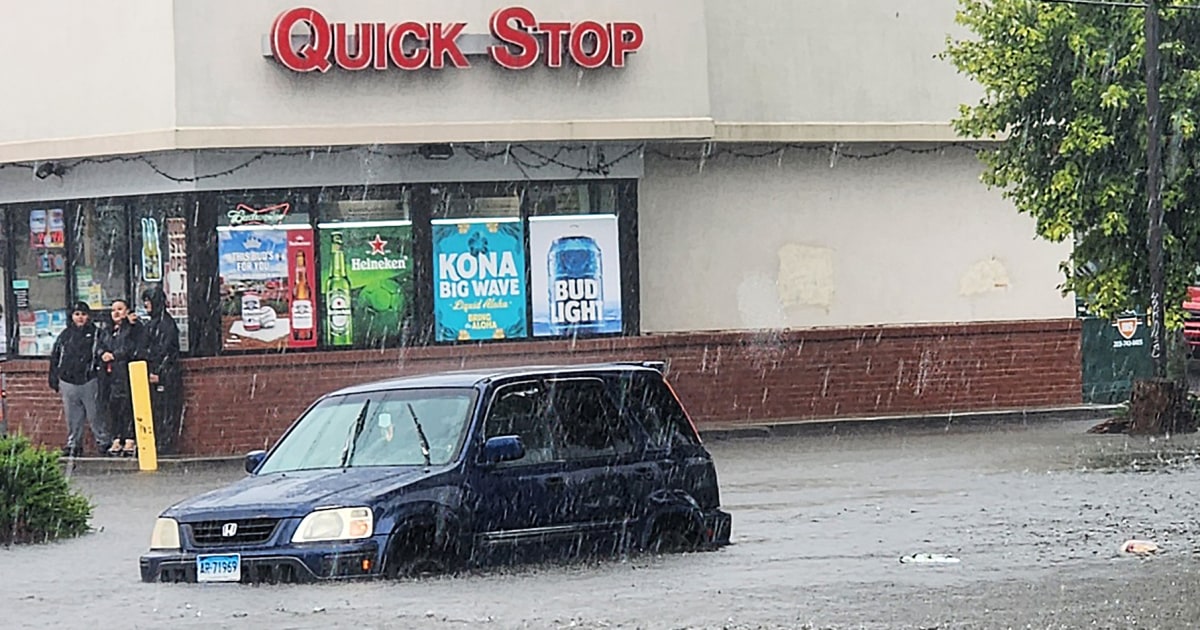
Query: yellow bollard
143	416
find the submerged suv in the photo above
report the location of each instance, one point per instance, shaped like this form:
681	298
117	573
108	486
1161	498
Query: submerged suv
440	472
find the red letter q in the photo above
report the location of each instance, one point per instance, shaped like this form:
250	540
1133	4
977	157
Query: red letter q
313	55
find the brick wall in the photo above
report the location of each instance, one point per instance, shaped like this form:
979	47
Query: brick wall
237	403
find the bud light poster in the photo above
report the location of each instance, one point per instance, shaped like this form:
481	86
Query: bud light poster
366	283
265	287
575	275
479	279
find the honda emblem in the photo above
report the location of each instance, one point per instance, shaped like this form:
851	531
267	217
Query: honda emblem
229	530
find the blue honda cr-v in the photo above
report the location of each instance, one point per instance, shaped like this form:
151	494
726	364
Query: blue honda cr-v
434	473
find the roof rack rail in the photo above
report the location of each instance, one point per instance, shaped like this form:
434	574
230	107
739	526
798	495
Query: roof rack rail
660	366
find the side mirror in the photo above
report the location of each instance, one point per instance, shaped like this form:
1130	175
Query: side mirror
505	448
253	459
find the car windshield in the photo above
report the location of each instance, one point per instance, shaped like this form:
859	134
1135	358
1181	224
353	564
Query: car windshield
408	427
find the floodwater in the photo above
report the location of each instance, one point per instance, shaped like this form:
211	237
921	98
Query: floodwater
1035	514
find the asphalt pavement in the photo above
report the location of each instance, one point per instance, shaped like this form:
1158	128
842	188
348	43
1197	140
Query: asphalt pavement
1034	513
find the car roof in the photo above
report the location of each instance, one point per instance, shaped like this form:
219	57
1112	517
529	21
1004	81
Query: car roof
477	377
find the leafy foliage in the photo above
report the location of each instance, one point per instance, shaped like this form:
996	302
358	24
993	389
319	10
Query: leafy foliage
37	503
1065	92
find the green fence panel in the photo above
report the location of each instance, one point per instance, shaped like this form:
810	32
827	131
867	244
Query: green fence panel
1115	354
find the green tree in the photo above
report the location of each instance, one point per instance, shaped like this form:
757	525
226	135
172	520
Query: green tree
1064	95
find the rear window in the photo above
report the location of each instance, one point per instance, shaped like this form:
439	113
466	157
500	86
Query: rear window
648	399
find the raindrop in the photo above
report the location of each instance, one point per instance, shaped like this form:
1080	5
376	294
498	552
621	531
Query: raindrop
704	157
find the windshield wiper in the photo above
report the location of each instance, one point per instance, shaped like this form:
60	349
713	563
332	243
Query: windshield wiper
420	434
348	450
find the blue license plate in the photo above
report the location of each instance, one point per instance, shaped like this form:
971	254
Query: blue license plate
225	567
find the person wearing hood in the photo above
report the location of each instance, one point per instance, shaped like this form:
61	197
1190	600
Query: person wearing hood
161	343
120	344
73	374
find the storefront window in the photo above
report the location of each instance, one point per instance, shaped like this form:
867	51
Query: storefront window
101	243
575	260
558	199
159	245
479	264
477	201
266	266
5	332
39	282
366	267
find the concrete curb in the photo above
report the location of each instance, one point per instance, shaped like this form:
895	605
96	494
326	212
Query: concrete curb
756	430
980	420
172	465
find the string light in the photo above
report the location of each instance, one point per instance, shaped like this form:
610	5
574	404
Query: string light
837	149
529	159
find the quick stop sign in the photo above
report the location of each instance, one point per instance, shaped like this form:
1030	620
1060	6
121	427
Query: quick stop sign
523	42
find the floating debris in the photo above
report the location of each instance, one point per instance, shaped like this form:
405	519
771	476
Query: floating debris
928	558
1139	547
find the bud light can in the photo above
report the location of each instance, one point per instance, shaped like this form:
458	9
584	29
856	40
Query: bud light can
576	286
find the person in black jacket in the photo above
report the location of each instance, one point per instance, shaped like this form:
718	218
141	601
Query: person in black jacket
73	374
119	345
161	341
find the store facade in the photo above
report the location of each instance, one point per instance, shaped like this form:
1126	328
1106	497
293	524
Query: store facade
330	193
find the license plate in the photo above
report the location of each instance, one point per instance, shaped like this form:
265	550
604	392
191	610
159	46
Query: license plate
225	567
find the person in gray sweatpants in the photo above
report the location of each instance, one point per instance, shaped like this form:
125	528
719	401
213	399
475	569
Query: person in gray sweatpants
73	373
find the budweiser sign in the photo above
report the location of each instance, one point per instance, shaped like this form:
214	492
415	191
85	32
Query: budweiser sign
518	41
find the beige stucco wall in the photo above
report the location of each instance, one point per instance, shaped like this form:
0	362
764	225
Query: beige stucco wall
817	61
80	72
812	240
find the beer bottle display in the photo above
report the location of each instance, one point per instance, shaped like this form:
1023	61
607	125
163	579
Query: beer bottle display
302	306
576	285
151	256
338	321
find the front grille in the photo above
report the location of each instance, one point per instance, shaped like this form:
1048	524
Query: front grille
249	531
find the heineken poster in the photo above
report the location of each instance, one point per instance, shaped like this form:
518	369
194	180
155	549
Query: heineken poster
266	279
479	275
575	275
366	282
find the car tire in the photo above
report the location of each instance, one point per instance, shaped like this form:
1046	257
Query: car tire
674	534
416	554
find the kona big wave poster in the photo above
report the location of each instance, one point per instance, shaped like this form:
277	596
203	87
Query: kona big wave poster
479	279
575	279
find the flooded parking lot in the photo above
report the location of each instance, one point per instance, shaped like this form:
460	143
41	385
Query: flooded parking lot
1034	514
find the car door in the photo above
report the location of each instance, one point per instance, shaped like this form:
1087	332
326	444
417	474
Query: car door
672	446
602	469
520	506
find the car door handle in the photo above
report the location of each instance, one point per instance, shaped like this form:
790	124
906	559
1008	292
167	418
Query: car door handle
645	472
555	481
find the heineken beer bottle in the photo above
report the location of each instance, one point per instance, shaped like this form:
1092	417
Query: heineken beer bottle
576	286
338	321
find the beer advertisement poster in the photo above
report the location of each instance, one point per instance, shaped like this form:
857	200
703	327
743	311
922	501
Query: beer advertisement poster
256	291
575	275
479	275
366	282
302	297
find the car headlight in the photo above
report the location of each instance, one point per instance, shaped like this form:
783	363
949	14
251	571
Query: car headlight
166	535
339	524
